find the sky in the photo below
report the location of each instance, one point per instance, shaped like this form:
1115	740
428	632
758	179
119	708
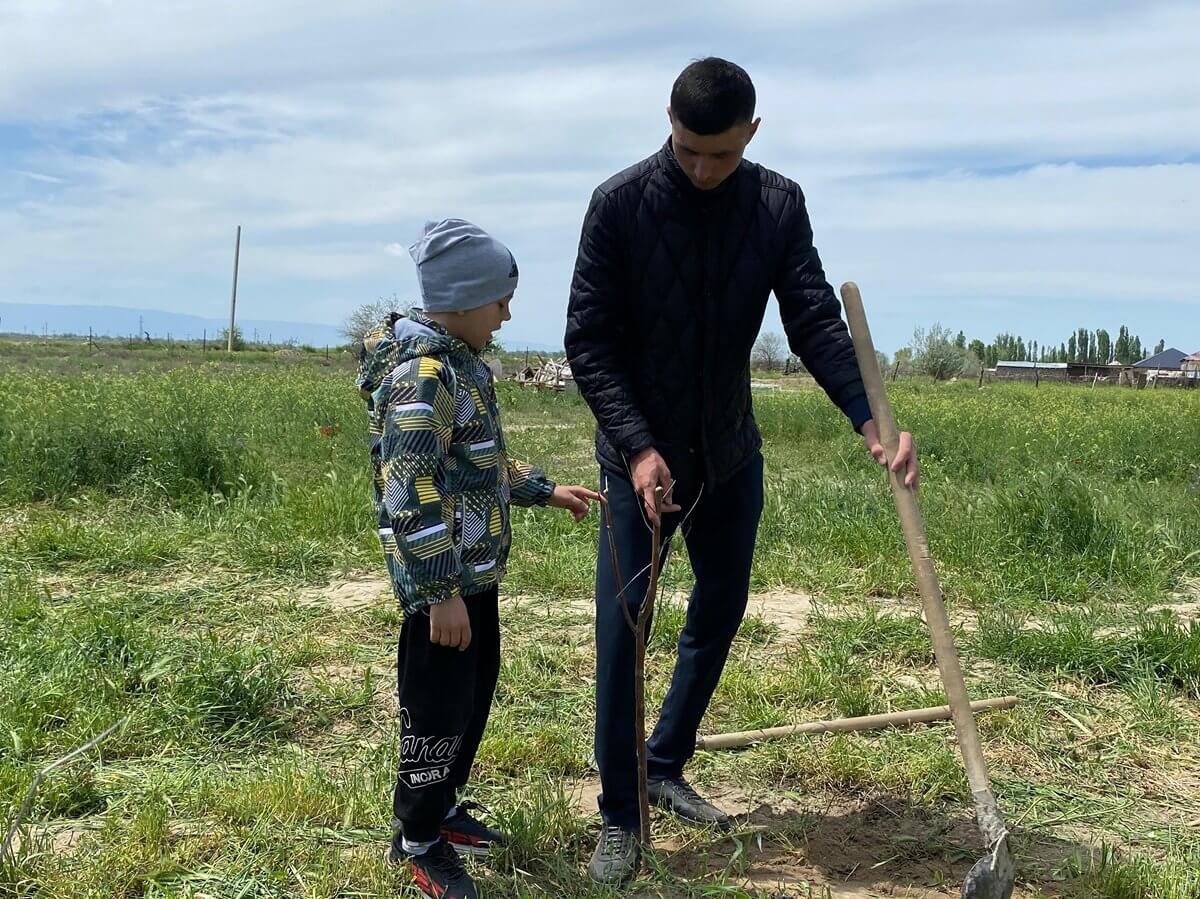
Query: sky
1017	166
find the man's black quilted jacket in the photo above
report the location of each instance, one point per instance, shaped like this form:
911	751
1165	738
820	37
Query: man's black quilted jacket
667	299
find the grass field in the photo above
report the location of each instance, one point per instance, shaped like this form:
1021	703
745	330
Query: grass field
189	544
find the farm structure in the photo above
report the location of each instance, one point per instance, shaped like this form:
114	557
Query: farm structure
1087	372
1169	368
553	374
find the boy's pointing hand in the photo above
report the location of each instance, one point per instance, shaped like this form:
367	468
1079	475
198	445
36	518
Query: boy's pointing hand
575	499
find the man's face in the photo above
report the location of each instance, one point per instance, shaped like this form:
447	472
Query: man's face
708	159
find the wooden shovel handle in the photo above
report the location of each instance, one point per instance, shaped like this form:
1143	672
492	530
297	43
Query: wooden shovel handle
918	552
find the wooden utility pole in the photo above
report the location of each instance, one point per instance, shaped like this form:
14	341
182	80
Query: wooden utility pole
237	249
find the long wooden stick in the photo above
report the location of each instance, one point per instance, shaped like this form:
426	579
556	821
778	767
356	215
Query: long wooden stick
846	725
987	811
639	670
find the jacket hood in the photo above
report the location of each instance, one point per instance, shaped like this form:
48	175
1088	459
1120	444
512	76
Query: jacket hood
416	335
398	339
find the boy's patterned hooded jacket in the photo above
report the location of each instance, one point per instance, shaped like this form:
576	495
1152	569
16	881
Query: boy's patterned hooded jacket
443	478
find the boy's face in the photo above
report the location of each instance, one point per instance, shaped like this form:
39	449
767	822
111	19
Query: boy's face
708	159
476	327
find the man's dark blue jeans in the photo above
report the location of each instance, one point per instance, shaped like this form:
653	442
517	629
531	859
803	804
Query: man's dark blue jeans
719	526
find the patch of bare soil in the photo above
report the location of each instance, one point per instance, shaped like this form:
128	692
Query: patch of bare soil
57	838
1184	605
574	611
521	427
351	595
785	846
12	521
787	610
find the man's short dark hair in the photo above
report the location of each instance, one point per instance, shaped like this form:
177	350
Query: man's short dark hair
712	95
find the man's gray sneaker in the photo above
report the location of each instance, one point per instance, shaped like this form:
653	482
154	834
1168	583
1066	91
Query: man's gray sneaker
617	855
676	794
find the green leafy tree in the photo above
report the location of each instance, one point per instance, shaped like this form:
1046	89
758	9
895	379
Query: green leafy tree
239	342
1121	346
935	354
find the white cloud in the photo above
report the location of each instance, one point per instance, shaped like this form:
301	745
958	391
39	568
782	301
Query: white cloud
38	176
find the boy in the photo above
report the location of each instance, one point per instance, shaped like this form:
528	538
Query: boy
443	486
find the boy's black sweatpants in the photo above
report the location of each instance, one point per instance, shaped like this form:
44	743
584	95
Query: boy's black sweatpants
444	696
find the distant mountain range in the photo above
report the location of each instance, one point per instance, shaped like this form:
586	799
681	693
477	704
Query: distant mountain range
117	321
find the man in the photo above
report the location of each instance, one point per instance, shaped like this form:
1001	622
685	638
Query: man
677	258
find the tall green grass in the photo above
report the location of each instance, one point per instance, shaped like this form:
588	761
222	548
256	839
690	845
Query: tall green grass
986	435
71	669
1114	875
1030	494
169	439
1156	647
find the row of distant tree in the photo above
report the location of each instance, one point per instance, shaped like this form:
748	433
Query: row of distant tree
942	354
1091	347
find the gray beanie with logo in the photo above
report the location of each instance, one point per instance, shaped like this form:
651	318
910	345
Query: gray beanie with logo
461	266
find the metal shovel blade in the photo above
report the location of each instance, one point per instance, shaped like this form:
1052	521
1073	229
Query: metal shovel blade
992	876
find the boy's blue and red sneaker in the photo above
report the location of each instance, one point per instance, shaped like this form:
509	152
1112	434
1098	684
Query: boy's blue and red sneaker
438	872
470	836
